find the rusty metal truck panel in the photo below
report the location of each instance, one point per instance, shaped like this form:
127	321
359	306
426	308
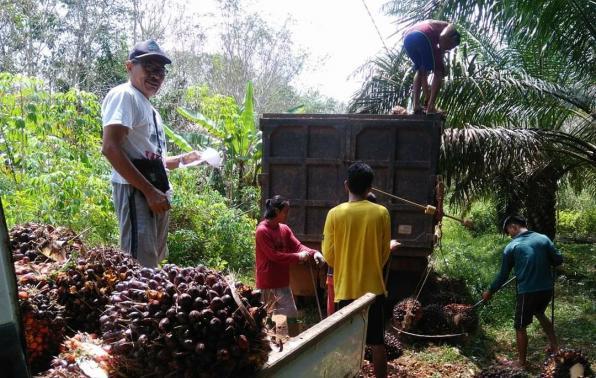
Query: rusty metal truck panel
305	158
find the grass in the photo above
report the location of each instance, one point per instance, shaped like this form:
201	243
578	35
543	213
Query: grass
476	260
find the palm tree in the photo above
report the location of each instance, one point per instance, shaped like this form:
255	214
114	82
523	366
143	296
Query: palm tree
525	69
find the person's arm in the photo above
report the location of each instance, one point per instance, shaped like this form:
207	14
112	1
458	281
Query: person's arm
294	245
173	162
113	138
556	258
386	238
506	266
266	246
328	240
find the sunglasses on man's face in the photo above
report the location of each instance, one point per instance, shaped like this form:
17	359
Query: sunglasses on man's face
152	68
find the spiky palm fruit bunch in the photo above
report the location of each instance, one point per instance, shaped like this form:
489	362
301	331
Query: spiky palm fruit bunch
566	363
84	287
43	324
406	314
444	290
83	355
185	322
500	371
461	317
35	242
434	321
393	348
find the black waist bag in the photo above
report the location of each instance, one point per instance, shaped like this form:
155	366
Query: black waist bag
154	171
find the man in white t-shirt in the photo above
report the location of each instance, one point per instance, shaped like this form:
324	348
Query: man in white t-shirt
133	130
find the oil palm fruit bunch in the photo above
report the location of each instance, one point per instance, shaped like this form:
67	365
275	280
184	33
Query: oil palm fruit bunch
185	322
42	242
566	363
393	348
444	290
43	324
500	371
83	355
84	287
406	314
461	317
434	320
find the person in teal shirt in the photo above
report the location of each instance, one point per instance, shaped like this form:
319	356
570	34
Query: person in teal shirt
532	255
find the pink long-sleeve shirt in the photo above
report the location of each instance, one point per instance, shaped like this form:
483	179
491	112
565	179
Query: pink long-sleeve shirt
276	249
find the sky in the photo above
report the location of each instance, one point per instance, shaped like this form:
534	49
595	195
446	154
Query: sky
338	34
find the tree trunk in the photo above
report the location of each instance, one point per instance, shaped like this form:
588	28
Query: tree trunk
541	201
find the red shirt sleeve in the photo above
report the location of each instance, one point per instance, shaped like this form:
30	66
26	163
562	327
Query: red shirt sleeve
294	245
266	247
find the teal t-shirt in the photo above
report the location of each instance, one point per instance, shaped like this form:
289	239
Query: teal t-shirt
532	255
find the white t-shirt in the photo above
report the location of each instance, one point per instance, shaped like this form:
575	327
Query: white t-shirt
127	106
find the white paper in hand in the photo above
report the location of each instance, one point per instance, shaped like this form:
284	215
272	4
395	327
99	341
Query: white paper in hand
209	156
212	157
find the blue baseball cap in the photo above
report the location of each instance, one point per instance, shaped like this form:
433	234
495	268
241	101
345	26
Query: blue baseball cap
148	50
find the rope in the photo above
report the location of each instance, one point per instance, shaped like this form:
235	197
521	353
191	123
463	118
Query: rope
400	198
430	336
428	270
375	25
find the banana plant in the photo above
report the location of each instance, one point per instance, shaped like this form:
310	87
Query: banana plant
240	141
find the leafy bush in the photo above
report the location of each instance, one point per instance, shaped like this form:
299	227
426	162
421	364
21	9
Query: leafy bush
577	223
204	230
484	216
53	170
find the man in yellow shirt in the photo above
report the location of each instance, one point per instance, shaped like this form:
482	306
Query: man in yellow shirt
356	243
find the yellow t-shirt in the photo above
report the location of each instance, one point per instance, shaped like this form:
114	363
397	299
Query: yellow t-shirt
356	244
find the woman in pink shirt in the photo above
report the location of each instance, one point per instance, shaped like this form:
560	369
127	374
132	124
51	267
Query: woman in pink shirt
276	249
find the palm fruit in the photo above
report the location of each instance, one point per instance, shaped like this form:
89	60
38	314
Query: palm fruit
406	314
566	363
185	322
41	242
393	348
461	317
84	287
433	321
82	355
43	324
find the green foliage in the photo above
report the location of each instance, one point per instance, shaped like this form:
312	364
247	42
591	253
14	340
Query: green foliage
53	170
204	230
476	259
576	215
484	217
233	130
577	224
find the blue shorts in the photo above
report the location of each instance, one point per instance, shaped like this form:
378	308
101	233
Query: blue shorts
419	49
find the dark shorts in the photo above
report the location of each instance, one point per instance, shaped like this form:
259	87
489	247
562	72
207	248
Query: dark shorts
528	305
376	319
419	49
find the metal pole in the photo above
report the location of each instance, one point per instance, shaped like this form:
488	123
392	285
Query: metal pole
502	286
314	285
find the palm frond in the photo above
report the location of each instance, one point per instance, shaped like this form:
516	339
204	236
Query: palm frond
497	157
566	26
